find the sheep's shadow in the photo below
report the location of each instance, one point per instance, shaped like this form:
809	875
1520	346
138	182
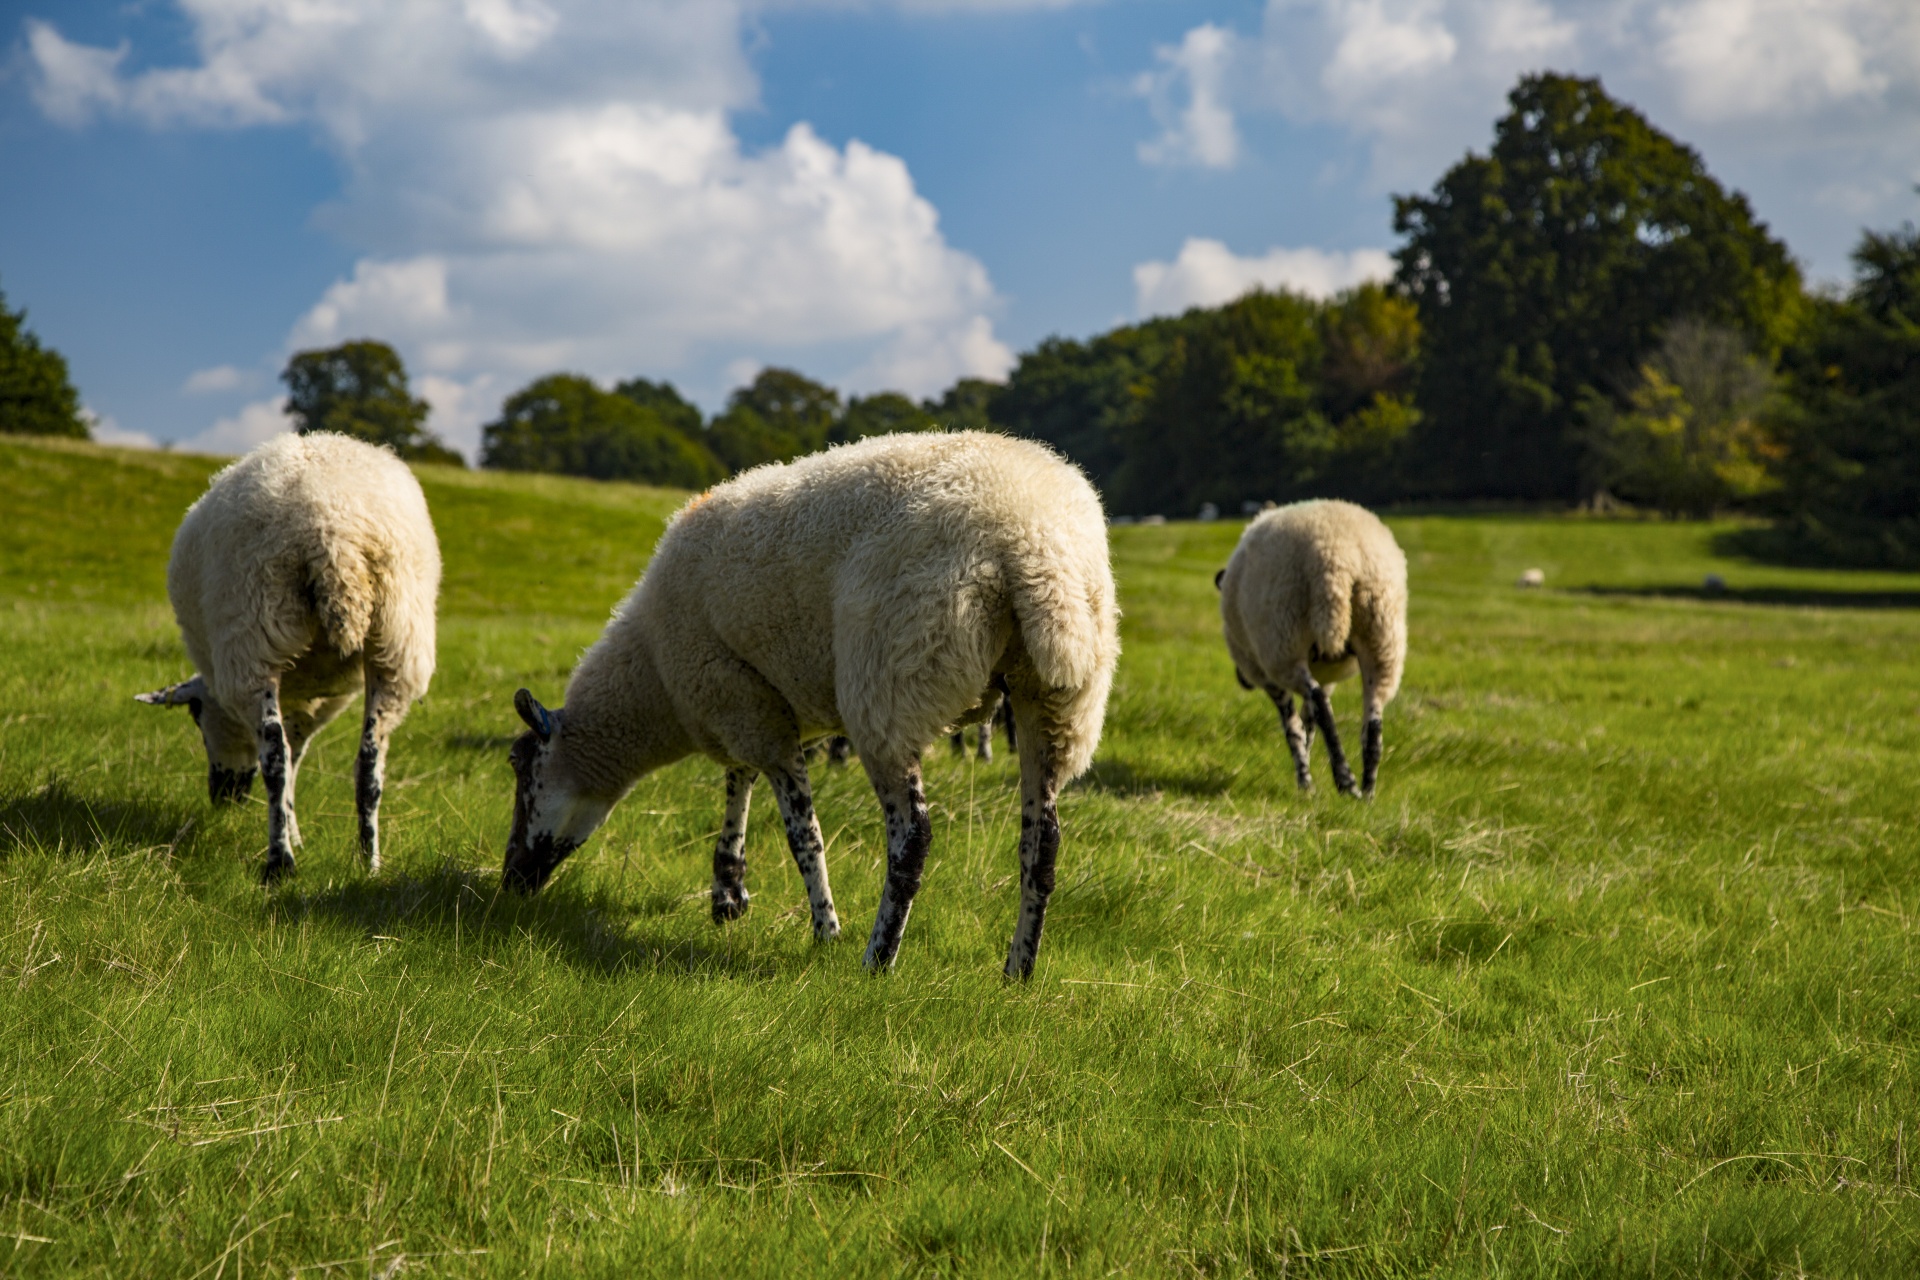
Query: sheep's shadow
1119	778
469	908
480	741
56	818
1786	597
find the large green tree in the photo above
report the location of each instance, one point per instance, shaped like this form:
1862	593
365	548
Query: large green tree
564	423
1545	272
36	396
360	389
1851	474
882	413
779	415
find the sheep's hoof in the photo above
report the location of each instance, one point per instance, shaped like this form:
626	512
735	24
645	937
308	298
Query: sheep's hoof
827	932
729	904
277	869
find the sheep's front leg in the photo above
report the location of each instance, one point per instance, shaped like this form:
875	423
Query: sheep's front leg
791	789
729	855
909	836
1039	841
383	712
271	735
1299	736
1323	716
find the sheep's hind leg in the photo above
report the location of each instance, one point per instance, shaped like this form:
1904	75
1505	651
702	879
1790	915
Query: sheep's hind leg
271	735
909	836
1372	739
1323	716
1039	838
791	789
383	713
1299	736
729	855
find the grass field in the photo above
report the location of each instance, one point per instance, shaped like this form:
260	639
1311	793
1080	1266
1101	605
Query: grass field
1616	976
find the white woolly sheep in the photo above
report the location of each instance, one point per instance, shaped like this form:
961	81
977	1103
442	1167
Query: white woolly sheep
306	572
880	589
1315	592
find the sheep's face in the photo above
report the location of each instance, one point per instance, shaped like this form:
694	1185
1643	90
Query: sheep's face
232	754
552	813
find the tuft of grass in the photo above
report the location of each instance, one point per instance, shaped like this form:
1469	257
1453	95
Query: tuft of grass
1617	975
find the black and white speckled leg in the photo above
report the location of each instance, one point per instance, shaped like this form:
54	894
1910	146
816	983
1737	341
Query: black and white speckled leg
271	736
791	789
729	854
1039	846
1371	744
909	836
1323	715
1299	735
383	712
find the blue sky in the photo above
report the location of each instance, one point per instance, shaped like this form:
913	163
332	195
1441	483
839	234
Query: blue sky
880	194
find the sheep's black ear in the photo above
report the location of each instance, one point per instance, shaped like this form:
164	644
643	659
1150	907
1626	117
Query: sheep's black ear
1217	577
183	694
538	718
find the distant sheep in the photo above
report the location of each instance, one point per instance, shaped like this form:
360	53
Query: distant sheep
1001	713
1315	592
881	589
306	572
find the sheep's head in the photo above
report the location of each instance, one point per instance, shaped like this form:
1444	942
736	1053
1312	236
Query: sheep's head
232	755
553	814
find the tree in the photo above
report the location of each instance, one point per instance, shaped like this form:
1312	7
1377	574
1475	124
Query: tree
778	416
564	423
36	396
1545	271
666	402
1851	431
1081	397
881	414
966	405
360	389
1689	439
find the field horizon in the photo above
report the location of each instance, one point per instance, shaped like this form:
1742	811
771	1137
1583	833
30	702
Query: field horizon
1615	976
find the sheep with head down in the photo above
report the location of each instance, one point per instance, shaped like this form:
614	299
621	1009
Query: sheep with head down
885	590
1315	593
306	573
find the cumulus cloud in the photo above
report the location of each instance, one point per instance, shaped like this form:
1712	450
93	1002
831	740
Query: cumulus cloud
105	430
1811	106
1206	273
222	377
1200	131
536	185
254	424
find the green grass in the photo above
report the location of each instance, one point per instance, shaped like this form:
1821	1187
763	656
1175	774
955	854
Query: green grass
1617	975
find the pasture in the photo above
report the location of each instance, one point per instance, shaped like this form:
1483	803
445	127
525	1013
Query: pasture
1616	976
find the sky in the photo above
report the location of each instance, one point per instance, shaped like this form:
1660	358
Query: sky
882	194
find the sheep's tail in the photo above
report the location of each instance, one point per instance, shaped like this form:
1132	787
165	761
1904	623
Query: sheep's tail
1330	608
1062	598
341	582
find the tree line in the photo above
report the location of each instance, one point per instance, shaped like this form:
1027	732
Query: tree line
1581	315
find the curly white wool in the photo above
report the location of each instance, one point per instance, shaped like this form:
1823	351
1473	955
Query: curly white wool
1315	592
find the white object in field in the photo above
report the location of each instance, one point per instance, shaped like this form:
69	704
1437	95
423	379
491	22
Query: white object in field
1532	578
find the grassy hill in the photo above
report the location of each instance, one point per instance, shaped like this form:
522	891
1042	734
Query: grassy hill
1616	976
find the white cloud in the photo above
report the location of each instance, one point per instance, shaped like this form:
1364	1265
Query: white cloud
1206	273
222	377
1201	132
1811	106
536	185
105	430
255	424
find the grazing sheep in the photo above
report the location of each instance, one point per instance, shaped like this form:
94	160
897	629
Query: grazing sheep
1001	714
1315	592
306	572
880	589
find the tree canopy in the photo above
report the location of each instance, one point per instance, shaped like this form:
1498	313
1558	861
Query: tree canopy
882	413
1546	270
564	423
1851	475
779	415
360	389
36	396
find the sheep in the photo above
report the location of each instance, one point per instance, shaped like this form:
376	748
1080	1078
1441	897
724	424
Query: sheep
306	572
878	589
1315	592
1001	713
